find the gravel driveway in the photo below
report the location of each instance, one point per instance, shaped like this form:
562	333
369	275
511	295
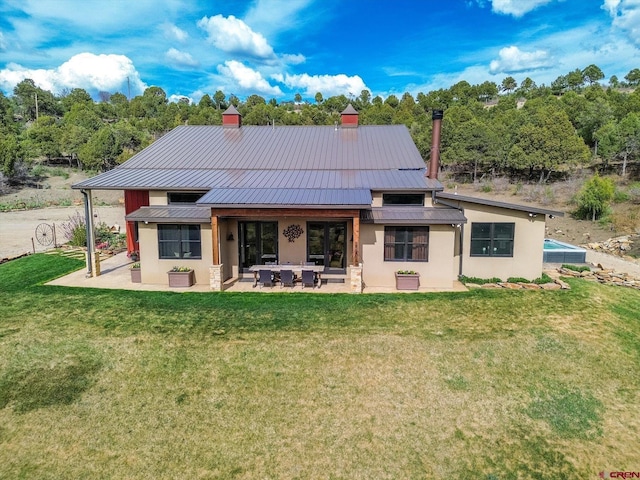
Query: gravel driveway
17	228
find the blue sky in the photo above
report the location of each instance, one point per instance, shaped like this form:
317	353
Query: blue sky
277	48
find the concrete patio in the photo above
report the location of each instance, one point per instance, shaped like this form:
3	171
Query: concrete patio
115	275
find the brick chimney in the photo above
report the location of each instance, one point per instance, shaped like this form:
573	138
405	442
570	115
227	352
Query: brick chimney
349	117
231	118
434	163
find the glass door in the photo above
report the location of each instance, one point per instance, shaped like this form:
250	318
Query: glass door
326	245
258	243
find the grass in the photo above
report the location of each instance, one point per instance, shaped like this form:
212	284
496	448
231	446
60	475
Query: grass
482	384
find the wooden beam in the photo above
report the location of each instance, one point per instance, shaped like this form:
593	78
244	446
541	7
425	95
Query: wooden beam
214	239
356	239
284	212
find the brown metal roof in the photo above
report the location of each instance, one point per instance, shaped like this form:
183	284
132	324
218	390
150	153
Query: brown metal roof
413	216
170	214
281	148
494	203
195	179
316	197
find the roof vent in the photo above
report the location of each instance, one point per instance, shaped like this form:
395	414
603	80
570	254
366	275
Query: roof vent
349	117
231	117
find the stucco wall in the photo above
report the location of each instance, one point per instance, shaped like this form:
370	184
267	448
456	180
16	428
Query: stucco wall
439	272
157	197
527	249
154	270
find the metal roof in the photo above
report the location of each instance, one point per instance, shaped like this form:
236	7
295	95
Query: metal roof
316	197
413	215
281	148
196	179
170	214
494	203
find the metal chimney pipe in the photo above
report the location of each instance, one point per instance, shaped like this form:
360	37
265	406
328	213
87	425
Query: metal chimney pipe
434	163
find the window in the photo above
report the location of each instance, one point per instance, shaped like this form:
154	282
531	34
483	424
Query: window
179	241
402	199
406	244
492	239
184	198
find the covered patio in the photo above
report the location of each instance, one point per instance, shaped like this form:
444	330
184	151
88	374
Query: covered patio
115	274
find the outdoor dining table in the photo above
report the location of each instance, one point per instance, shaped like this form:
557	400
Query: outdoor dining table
295	267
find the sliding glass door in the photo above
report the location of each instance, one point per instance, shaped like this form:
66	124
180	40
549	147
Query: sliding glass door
258	243
326	245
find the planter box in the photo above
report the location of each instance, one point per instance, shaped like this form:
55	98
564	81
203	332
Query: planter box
181	279
407	281
136	277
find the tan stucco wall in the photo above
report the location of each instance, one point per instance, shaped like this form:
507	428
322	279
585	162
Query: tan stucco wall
154	269
439	272
527	249
158	197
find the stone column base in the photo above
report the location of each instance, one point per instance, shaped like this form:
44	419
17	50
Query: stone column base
356	278
216	278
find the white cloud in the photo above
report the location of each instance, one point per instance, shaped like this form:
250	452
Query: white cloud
248	79
512	59
176	98
234	36
274	16
517	8
626	17
328	85
173	32
181	59
290	59
92	72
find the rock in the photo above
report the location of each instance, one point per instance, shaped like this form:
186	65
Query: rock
511	286
550	286
563	285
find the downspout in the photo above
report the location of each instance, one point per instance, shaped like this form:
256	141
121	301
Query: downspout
437	200
87	224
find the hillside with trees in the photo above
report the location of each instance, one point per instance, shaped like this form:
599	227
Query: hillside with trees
525	132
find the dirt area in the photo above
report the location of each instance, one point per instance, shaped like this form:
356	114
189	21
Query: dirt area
18	227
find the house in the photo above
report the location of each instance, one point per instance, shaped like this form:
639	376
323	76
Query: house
356	201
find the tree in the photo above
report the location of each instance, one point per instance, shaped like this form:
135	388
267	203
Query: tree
592	74
546	141
297	98
34	101
318	98
219	98
559	85
509	84
205	101
633	77
614	82
594	197
575	79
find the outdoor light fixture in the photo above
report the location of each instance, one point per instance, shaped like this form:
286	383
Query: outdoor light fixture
230	237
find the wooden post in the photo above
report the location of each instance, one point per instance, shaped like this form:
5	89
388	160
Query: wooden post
215	239
356	239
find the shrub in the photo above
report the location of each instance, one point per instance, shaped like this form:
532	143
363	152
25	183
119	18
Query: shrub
75	230
594	197
478	281
576	268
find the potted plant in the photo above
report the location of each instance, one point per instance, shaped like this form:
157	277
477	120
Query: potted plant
136	277
181	277
407	280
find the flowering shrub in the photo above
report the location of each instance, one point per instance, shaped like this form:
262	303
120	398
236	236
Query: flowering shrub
135	265
180	269
407	272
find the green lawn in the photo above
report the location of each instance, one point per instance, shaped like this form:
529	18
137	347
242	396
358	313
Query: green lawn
485	384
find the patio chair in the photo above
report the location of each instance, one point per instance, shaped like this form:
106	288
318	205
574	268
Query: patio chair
286	278
265	278
308	278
